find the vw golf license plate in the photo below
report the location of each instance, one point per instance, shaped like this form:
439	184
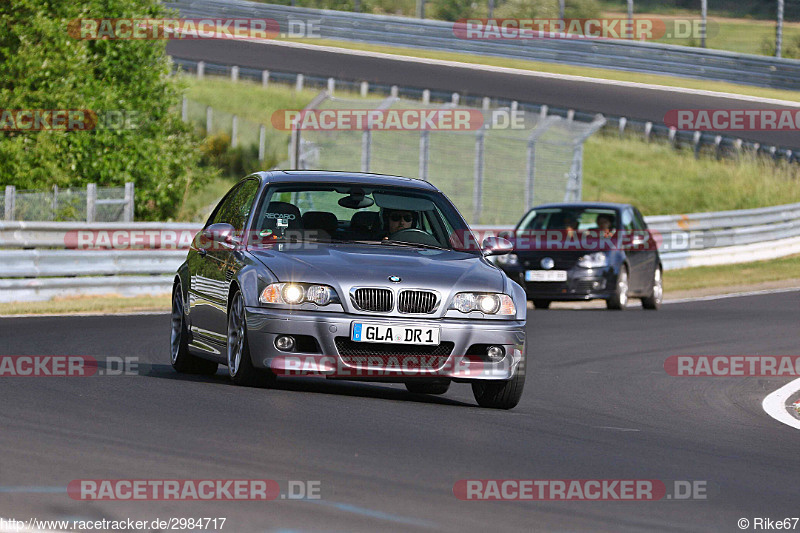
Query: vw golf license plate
394	333
546	275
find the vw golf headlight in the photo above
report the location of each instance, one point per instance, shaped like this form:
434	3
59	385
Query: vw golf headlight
487	303
595	260
297	293
507	260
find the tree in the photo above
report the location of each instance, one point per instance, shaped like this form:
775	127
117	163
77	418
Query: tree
42	67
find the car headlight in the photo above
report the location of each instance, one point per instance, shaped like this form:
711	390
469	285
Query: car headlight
507	260
487	303
595	260
297	293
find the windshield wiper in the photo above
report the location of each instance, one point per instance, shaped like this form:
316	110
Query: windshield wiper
416	244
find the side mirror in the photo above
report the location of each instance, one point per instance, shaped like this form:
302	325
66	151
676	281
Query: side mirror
496	246
220	233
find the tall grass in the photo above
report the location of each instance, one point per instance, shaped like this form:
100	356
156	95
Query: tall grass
662	180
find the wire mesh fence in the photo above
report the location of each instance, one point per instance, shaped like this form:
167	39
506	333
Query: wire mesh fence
491	172
90	204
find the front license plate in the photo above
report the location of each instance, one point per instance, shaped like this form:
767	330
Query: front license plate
394	333
546	275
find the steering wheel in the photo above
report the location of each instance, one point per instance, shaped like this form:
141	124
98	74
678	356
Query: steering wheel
414	236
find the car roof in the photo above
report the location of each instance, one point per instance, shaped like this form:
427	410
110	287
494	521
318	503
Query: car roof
332	176
583	205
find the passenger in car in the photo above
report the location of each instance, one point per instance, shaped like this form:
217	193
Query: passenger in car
605	224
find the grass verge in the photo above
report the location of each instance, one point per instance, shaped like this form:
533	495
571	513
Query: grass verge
89	304
743	275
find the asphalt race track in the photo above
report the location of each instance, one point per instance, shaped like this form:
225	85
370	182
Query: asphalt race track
597	405
632	102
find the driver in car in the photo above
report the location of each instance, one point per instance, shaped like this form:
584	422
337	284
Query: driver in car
397	220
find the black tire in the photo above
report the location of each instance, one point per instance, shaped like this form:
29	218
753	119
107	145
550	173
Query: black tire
183	361
541	304
240	364
431	387
619	300
653	301
501	394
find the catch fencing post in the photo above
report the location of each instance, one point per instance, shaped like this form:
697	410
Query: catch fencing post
201	69
209	119
477	186
91	202
265	78
127	210
696	142
10	203
575	182
426	96
185	109
366	149
298	86
262	142
530	165
234	73
424	151
331	85
364	89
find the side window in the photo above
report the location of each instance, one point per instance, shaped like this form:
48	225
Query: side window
638	220
627	220
237	206
216	215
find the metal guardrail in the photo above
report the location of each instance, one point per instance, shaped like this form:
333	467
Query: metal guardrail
36	263
653	58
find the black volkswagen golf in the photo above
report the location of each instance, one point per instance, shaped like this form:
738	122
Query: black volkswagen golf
585	251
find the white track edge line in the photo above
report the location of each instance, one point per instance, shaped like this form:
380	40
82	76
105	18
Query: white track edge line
775	404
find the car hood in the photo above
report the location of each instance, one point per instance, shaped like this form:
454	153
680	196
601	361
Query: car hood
345	266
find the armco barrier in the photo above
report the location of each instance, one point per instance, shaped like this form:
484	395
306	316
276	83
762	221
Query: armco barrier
35	263
651	58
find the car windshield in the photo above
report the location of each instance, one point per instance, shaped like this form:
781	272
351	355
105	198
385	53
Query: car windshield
569	218
359	213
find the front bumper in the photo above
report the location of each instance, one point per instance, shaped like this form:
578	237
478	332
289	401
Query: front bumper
461	364
581	284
